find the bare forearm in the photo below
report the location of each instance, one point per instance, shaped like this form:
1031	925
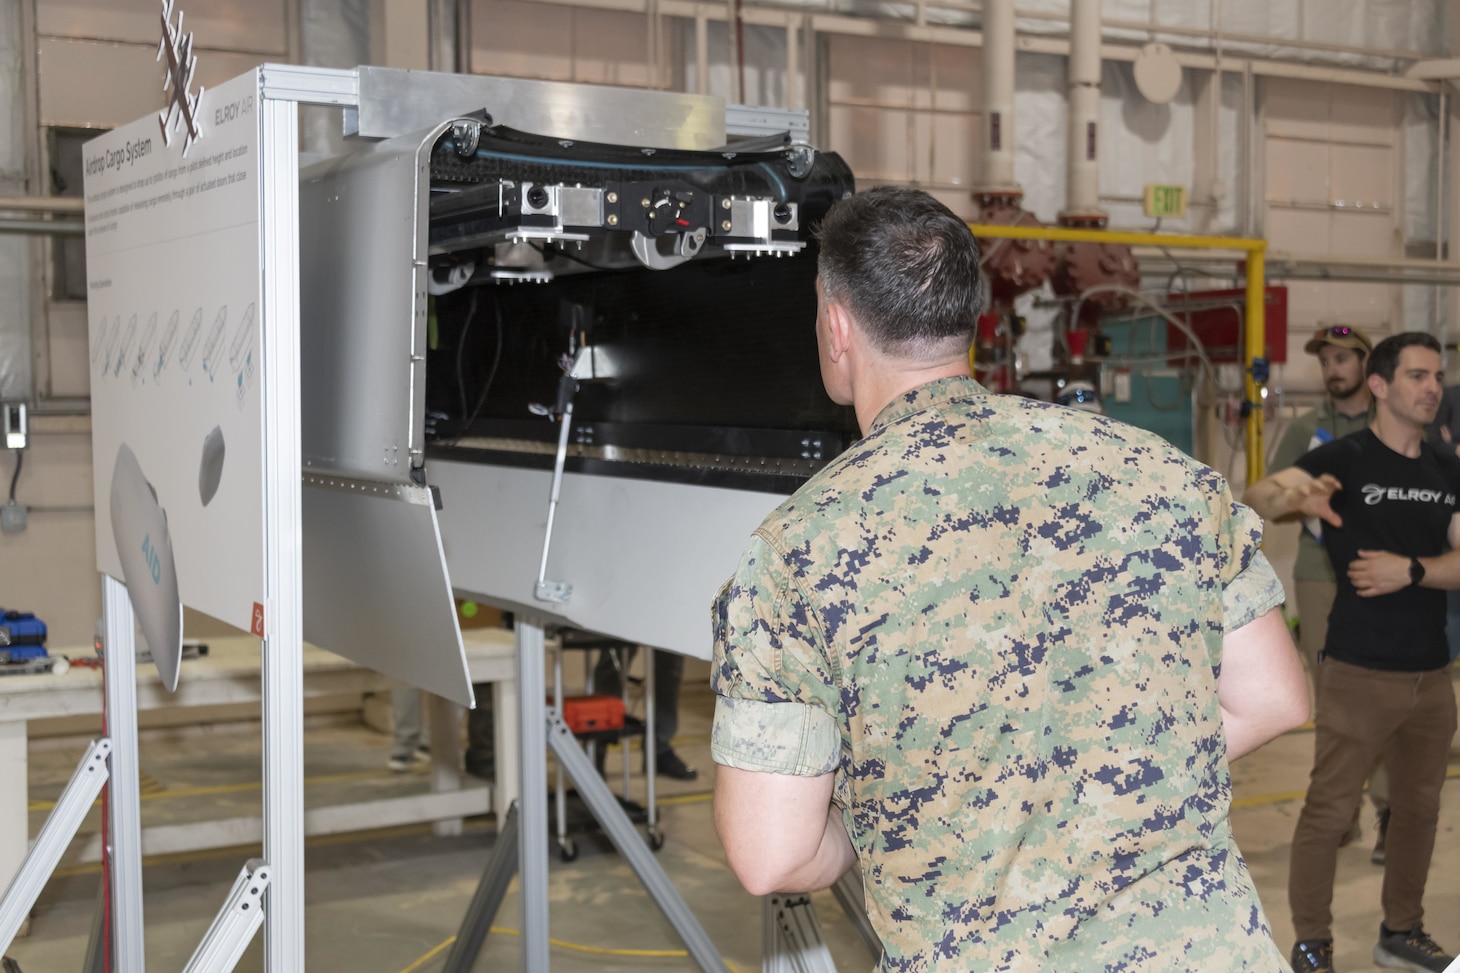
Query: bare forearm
833	857
1273	501
1261	691
781	833
1248	731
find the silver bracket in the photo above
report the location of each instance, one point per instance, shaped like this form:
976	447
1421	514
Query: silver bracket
683	246
234	926
557	592
76	800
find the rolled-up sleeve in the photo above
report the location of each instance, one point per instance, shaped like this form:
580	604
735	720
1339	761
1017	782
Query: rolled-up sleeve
771	680
1251	594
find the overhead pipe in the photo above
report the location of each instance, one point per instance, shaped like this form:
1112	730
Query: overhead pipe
1013	266
43	227
998	96
1084	266
42	204
1082	171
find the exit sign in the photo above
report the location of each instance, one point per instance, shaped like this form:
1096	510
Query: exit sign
1166	201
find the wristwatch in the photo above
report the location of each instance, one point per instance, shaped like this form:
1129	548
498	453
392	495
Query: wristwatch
1416	572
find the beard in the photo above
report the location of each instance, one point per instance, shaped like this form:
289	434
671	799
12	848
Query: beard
1339	389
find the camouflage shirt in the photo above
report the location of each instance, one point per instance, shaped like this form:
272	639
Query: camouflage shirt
1000	623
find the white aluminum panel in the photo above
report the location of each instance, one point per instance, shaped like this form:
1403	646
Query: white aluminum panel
363	307
238	25
645	559
395	102
376	590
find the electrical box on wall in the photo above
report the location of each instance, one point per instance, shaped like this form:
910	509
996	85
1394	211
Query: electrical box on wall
14	424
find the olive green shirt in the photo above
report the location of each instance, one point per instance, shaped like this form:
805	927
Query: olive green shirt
1312	562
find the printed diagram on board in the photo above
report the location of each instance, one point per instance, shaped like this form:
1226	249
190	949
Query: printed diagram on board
147	350
190	342
240	355
144	348
165	346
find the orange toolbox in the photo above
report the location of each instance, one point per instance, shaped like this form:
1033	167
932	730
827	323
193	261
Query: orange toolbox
593	714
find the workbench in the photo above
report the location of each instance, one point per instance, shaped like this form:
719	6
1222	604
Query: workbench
230	674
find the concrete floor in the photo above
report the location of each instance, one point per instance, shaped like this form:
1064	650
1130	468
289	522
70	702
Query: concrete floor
382	902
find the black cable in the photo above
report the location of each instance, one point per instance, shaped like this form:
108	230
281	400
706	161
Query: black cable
491	374
15	477
471	313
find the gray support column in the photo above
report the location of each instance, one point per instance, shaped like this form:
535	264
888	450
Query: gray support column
532	858
283	621
124	797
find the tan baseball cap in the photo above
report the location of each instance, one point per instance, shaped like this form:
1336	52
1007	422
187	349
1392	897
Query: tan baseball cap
1340	336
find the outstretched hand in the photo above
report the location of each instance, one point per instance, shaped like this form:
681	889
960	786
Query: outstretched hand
1376	573
1314	498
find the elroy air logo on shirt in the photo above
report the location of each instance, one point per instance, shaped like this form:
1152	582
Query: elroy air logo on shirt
1374	493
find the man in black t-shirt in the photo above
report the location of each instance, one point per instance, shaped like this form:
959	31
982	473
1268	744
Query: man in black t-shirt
1391	504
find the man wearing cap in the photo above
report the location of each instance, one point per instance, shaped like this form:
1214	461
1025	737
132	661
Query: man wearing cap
1341	351
1390	503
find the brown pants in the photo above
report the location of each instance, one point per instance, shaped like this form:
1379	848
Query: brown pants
1315	601
1409	718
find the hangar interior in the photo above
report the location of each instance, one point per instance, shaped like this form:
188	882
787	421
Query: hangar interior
1322	129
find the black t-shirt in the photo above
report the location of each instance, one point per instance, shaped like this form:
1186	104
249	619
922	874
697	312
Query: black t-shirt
1389	502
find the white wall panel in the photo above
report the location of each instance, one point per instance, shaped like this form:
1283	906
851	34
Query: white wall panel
68	336
236	25
1333	158
524	39
906	112
70	94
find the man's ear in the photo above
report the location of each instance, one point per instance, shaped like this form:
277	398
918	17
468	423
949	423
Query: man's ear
839	331
1378	387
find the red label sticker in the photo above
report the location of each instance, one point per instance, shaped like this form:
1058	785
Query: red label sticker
257	627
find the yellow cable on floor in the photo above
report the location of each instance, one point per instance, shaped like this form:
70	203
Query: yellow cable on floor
562	944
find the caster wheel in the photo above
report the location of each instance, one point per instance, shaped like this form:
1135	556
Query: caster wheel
567	850
656	840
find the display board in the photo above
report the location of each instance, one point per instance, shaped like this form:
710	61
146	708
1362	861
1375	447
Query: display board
175	296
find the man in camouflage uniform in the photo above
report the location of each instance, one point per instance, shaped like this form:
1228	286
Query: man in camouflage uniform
998	653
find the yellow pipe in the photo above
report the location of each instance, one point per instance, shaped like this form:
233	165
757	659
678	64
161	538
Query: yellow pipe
1256	329
1256	340
1108	236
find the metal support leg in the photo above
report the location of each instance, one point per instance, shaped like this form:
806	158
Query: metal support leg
651	745
283	619
51	843
620	830
491	890
566	849
124	797
234	926
853	900
96	943
793	942
624	659
533	849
